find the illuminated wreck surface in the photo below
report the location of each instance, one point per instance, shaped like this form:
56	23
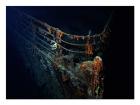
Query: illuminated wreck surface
62	64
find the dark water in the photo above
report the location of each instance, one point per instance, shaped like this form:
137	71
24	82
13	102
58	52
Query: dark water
119	56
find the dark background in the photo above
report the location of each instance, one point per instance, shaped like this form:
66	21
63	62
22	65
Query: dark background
119	72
